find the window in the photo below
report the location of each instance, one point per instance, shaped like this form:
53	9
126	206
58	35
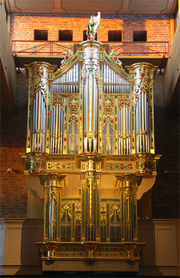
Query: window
115	35
140	36
85	36
65	35
40	35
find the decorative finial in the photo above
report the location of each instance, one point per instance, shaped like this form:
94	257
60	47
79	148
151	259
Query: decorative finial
114	56
67	55
92	26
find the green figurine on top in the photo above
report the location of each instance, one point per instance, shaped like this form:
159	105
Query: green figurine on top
92	26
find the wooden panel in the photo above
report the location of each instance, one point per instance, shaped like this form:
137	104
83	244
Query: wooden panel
152	6
43	5
159	235
149	250
13	245
147	235
86	6
31	234
166	253
2	241
161	243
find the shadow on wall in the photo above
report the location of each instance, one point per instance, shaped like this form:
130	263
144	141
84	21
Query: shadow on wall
165	192
32	232
144	206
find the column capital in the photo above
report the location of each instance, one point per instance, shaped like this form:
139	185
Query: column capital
126	180
55	177
39	69
85	157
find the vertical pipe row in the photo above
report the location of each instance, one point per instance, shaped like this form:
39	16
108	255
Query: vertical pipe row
113	82
56	141
105	78
142	124
142	75
38	123
68	82
124	120
40	76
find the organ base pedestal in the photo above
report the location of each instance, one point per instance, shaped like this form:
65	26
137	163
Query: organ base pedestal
91	266
90	256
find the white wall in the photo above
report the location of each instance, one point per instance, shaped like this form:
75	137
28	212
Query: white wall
19	254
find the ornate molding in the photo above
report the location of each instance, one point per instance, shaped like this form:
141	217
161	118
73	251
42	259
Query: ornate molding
90	251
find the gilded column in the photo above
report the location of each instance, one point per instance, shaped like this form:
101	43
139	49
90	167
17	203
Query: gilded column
97	199
91	188
52	210
128	212
83	200
53	185
46	210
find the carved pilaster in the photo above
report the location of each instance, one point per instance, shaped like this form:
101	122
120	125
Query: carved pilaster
128	185
90	165
53	185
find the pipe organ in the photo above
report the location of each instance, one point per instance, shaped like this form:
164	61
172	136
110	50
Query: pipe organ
90	141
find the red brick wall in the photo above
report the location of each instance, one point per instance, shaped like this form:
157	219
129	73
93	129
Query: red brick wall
157	27
23	26
13	188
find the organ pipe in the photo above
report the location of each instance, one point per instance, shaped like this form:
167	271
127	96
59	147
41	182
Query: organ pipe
38	123
143	79
56	129
48	123
113	83
124	118
142	124
67	82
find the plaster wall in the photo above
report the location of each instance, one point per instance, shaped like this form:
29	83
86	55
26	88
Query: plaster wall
19	255
7	69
